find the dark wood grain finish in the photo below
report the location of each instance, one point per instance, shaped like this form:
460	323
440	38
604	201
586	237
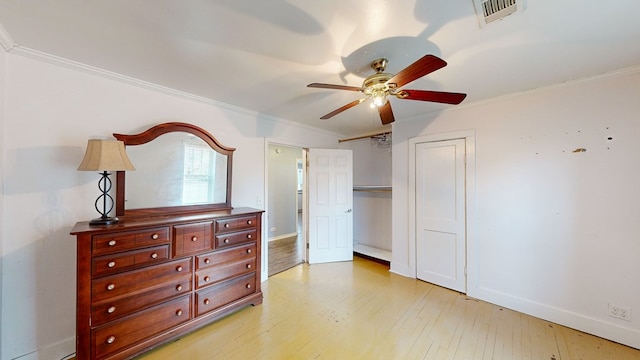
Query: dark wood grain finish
111	264
421	67
121	241
216	258
137	281
386	114
235	238
222	293
112	309
119	334
216	274
129	293
234	224
192	238
342	108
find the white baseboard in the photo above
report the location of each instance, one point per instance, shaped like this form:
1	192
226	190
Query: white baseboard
59	351
284	236
605	329
402	270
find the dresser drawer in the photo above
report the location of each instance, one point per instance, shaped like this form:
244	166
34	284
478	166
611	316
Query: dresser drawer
119	334
111	310
223	293
115	242
233	224
215	274
111	264
138	281
192	238
246	251
232	239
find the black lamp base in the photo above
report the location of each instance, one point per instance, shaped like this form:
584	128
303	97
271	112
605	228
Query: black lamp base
104	221
104	184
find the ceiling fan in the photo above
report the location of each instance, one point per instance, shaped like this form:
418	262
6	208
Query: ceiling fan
380	85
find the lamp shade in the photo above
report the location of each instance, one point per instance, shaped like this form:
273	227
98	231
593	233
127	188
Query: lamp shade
105	155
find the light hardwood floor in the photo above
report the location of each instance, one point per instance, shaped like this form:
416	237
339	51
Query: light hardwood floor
358	310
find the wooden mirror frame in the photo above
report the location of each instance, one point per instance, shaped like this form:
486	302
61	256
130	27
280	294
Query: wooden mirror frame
148	136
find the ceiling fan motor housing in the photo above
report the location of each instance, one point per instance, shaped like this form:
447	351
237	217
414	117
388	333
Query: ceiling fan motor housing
376	82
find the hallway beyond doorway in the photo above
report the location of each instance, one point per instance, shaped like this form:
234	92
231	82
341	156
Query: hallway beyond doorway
286	253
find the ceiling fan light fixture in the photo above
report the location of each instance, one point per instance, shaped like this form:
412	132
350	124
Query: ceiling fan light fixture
378	98
376	87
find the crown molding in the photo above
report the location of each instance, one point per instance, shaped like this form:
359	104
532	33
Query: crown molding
5	39
626	71
92	70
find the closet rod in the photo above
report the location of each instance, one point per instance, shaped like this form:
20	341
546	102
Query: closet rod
364	136
372	188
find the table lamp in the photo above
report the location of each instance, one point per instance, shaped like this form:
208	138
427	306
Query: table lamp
105	156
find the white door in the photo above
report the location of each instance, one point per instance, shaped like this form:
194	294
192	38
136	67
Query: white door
330	185
440	213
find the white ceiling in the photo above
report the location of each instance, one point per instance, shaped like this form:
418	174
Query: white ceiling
261	54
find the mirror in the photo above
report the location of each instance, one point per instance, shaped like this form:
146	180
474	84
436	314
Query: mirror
179	168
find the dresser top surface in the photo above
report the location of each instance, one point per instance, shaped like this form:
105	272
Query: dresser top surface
133	223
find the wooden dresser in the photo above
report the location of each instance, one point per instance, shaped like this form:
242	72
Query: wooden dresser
145	281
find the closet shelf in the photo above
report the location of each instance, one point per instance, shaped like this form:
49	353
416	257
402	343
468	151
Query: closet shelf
379	188
373	252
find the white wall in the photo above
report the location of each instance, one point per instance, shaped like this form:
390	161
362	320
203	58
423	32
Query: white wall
3	59
371	210
556	232
50	113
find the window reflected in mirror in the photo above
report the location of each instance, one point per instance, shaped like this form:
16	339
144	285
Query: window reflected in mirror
175	169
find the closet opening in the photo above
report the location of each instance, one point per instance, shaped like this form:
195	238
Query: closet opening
372	195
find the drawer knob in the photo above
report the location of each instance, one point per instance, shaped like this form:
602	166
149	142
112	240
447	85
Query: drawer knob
111	264
248	266
207	261
248	236
195	238
249	251
155	236
111	309
178	312
112	243
226	241
248	286
111	286
179	288
206	278
249	222
179	268
226	225
207	301
154	256
111	339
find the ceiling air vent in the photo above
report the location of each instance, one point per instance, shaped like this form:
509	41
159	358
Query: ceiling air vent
492	10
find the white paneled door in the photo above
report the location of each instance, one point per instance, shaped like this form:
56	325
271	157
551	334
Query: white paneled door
330	185
440	213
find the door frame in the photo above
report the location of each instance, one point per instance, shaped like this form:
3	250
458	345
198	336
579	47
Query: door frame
265	224
470	198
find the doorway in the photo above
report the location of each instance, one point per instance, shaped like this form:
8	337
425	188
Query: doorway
285	234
